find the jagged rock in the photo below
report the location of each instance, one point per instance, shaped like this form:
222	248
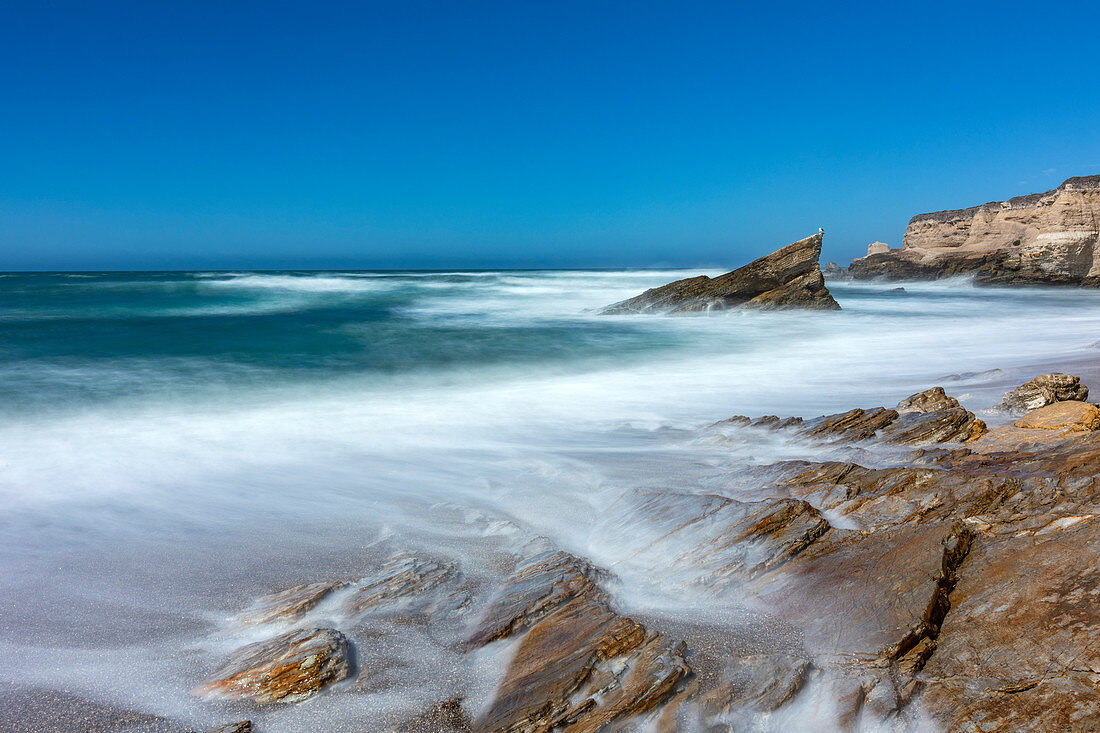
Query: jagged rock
939	426
707	540
867	603
1019	649
244	726
787	278
855	424
927	401
834	271
877	248
290	604
288	668
912	428
759	682
1069	415
1043	390
538	587
401	580
1049	237
583	666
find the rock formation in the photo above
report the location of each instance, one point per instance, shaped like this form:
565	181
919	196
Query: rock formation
1042	238
287	668
947	585
877	248
787	278
1043	390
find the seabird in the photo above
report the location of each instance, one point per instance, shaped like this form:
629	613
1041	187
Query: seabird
820	230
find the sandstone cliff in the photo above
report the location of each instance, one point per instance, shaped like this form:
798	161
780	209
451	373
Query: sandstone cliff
787	278
1043	238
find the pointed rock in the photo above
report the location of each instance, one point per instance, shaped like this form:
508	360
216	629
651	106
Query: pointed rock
787	278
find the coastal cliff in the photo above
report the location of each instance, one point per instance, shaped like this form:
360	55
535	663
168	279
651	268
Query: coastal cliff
1042	238
787	278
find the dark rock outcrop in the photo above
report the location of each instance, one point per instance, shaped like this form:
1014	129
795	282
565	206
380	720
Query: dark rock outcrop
1043	390
1045	238
787	278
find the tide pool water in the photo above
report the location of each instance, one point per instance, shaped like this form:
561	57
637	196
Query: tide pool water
172	444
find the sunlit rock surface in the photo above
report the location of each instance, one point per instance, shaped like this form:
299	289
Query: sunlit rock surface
787	278
288	668
1042	238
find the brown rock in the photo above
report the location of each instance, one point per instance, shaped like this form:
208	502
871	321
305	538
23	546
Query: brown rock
1070	415
1046	389
538	587
1020	649
940	426
553	681
290	604
761	682
929	400
402	580
288	668
787	278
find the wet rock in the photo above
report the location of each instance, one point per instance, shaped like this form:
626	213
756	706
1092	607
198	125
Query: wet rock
399	582
583	666
539	586
1020	649
759	682
1070	415
1046	389
929	400
855	424
288	668
787	278
290	604
939	426
707	540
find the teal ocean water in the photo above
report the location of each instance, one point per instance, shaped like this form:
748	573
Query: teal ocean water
172	444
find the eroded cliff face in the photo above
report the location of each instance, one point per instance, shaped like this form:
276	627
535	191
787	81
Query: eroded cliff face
1051	237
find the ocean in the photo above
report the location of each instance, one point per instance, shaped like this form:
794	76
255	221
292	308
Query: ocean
173	444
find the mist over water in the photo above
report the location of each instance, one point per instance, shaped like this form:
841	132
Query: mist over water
173	444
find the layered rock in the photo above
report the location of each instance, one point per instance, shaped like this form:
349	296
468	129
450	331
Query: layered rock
579	665
1043	390
787	278
287	668
1043	238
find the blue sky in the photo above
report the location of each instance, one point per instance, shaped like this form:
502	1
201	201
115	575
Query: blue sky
520	134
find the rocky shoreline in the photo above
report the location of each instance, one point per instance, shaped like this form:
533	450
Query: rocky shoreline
948	581
1049	238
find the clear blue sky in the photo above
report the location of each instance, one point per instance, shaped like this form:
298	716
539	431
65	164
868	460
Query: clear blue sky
513	134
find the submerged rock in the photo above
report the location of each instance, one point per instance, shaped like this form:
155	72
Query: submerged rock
290	604
288	668
446	717
787	278
244	726
400	581
1043	390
